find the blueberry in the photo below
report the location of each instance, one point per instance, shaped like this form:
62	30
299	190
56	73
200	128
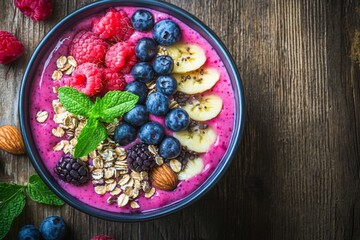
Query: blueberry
139	89
124	134
166	32
163	65
146	49
177	120
142	20
143	72
151	133
157	104
53	228
166	84
170	148
137	116
29	232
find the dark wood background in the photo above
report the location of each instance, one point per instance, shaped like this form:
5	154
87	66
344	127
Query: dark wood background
296	174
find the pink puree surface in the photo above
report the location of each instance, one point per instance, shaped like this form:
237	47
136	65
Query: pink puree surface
42	96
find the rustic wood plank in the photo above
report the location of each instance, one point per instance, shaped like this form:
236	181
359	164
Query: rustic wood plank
296	174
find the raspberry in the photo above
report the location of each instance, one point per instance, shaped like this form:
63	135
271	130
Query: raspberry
121	57
101	237
114	26
37	10
113	80
10	47
86	78
88	47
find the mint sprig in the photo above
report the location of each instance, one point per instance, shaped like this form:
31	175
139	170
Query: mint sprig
114	104
13	200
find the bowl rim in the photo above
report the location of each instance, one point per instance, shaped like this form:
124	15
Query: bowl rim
214	177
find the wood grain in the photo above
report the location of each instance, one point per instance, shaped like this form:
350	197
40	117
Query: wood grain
296	174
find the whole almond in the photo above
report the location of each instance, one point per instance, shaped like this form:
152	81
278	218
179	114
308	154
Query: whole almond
164	178
10	140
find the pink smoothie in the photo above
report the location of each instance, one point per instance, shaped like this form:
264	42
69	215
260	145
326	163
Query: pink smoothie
42	96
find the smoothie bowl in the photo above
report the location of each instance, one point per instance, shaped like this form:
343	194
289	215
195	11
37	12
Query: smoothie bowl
131	110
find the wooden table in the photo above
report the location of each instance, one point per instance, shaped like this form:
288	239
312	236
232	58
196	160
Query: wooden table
296	174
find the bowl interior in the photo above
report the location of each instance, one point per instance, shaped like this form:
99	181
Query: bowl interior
48	42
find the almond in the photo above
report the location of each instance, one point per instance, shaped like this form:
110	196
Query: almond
10	140
164	178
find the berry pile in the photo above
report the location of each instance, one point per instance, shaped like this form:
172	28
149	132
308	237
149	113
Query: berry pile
167	76
103	54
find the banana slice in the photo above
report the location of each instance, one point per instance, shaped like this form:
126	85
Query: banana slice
187	57
197	81
197	140
204	108
193	167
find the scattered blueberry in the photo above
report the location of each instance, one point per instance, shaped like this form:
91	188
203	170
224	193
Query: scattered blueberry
157	104
166	32
177	120
166	84
137	116
170	148
146	49
29	232
151	133
143	72
142	20
124	134
139	89
163	65
53	228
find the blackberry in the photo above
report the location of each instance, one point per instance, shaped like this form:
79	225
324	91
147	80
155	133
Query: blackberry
140	158
72	170
184	157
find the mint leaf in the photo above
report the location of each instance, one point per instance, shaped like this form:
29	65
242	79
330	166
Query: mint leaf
91	135
116	103
96	111
12	204
39	192
7	191
75	102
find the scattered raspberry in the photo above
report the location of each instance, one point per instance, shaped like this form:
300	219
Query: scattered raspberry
101	237
10	47
121	57
114	26
113	81
37	10
88	47
86	78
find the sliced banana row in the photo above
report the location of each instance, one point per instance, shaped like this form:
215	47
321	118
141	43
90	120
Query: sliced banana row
193	78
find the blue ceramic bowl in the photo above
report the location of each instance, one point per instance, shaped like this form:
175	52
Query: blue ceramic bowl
194	23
